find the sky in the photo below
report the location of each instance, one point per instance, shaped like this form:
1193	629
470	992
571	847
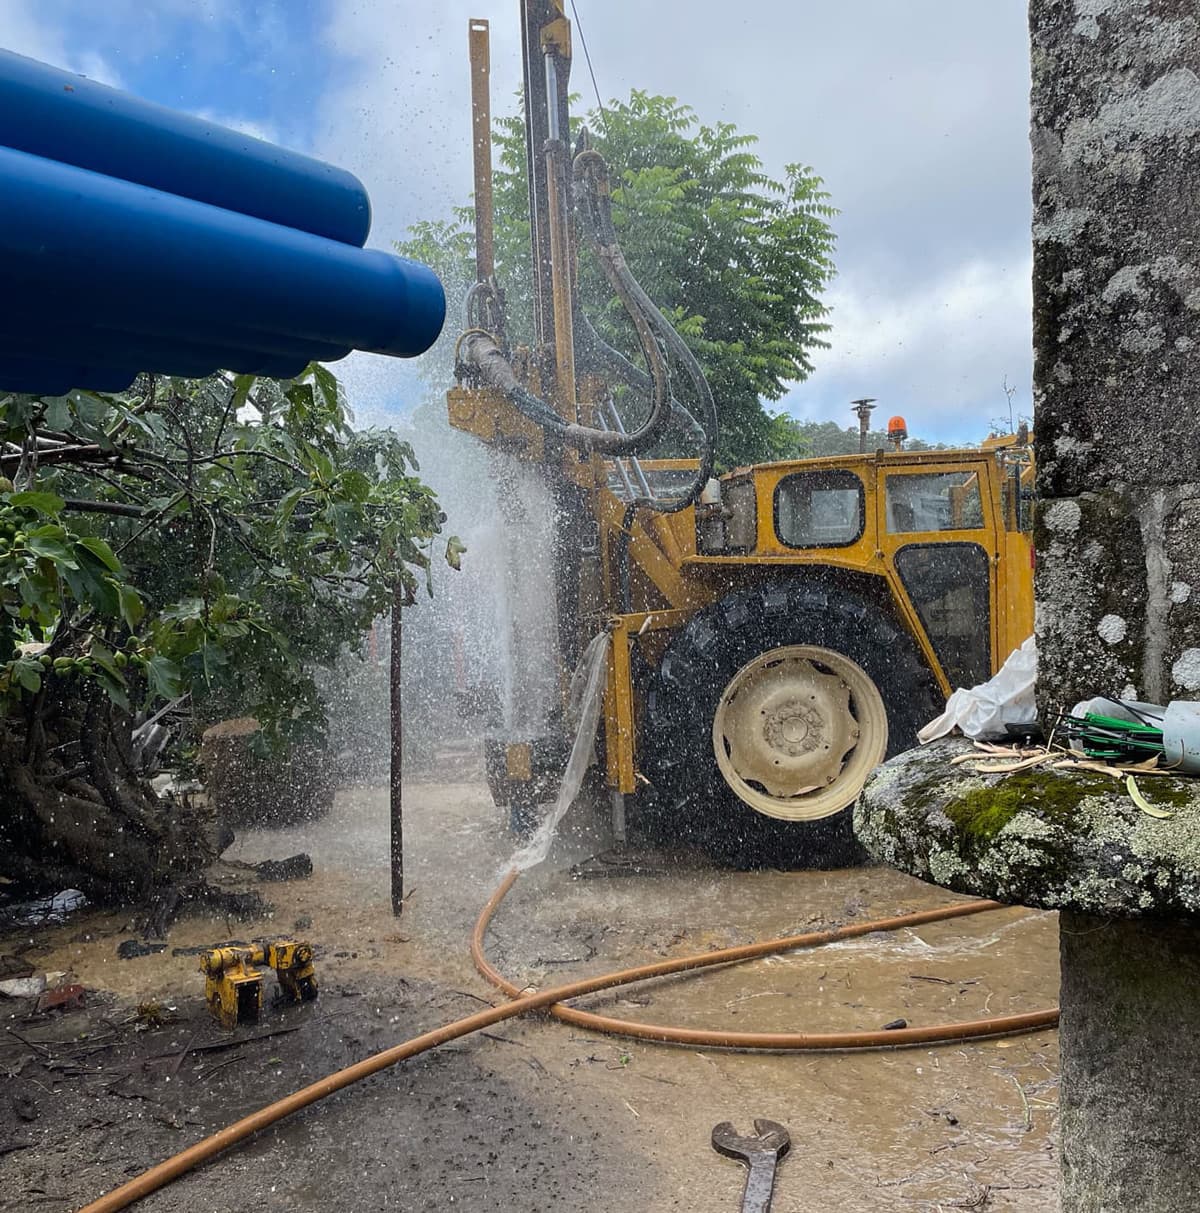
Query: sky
914	112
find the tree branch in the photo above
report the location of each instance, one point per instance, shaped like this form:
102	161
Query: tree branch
287	463
225	416
79	506
59	454
157	517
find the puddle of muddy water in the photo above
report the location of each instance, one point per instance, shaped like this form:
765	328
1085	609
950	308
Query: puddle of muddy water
918	1129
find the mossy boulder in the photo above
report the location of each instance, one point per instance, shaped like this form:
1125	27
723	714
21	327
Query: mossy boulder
1039	837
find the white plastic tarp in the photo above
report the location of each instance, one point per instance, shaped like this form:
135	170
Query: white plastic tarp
985	711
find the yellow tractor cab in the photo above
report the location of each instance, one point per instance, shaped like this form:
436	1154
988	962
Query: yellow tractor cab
821	612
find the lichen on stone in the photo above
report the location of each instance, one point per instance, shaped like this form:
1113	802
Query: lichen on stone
1056	839
1186	670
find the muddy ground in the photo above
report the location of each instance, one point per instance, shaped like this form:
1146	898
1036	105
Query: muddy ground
537	1115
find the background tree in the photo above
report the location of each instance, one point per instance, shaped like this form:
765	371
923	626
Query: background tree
221	537
736	259
819	438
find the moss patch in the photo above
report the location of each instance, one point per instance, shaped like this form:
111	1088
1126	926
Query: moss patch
1039	837
979	814
1170	793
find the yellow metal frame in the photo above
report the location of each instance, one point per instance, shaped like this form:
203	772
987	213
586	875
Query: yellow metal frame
620	722
487	415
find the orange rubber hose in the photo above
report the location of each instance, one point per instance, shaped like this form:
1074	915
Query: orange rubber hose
999	1025
162	1174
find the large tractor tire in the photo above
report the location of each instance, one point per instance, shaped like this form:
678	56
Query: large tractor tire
768	712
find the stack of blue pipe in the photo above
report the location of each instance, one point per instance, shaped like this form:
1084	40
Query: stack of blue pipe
134	238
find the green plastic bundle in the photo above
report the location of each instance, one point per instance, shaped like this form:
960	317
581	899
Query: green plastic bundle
1109	737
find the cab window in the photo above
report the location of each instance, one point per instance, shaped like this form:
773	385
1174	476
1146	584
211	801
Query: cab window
819	509
948	584
933	501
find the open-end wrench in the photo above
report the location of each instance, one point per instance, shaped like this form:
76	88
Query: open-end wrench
760	1153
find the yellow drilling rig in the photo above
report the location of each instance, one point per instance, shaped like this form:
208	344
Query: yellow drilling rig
775	631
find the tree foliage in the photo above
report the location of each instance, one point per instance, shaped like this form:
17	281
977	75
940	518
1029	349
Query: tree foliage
221	538
821	438
194	534
736	259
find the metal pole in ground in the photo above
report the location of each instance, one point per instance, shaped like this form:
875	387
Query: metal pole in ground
396	774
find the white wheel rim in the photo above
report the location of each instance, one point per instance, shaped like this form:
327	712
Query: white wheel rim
797	731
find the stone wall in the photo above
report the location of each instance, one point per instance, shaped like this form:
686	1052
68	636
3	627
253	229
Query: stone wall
1116	147
1129	1120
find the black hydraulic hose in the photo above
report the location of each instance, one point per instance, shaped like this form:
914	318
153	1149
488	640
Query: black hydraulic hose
598	354
590	168
478	349
677	346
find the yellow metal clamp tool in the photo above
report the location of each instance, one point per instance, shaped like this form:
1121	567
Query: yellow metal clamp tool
233	986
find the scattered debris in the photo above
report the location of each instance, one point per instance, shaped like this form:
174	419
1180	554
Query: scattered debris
1028	1122
23	987
152	1014
45	911
232	1042
1151	810
1006	760
294	867
1023	764
944	981
130	949
200	896
14	966
978	1201
200	949
32	1045
62	998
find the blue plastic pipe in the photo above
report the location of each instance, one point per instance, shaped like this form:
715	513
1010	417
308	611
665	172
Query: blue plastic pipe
78	246
118	352
57	377
52	113
43	334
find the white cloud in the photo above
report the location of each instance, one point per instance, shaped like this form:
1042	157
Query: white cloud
980	300
399	112
26	32
236	122
938	351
